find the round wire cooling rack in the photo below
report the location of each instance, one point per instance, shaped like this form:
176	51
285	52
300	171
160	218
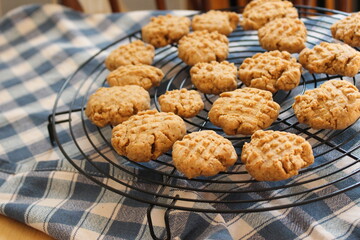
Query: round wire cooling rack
158	183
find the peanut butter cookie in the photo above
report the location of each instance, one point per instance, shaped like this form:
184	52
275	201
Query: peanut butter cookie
202	46
259	12
184	103
203	153
116	104
164	30
284	34
147	135
271	71
348	30
274	155
334	105
331	58
255	3
221	21
214	77
142	75
244	111
133	53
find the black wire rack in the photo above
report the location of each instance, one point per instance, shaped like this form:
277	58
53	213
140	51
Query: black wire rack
157	183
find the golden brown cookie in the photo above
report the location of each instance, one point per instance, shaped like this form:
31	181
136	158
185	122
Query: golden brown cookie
184	103
133	53
142	75
284	34
116	104
203	153
202	46
244	111
271	71
220	21
259	12
348	30
255	3
164	30
214	77
147	135
331	58
275	155
334	105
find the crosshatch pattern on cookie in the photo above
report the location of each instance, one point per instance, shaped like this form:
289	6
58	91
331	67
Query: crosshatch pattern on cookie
347	30
147	135
275	155
284	34
116	104
142	75
133	53
214	77
163	30
331	58
334	105
271	71
244	111
184	103
203	153
203	46
220	21
261	12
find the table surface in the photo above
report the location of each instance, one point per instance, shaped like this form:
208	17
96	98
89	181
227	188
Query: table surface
40	46
14	230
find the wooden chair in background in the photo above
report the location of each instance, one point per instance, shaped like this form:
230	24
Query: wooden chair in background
205	5
343	5
114	5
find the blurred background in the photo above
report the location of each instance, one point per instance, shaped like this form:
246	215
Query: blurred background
107	6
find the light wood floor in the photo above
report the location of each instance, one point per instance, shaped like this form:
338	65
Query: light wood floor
14	230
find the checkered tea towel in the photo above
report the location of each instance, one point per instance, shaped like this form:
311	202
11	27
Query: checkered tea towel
40	46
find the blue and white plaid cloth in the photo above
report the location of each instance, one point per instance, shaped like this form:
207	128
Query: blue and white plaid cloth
40	46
